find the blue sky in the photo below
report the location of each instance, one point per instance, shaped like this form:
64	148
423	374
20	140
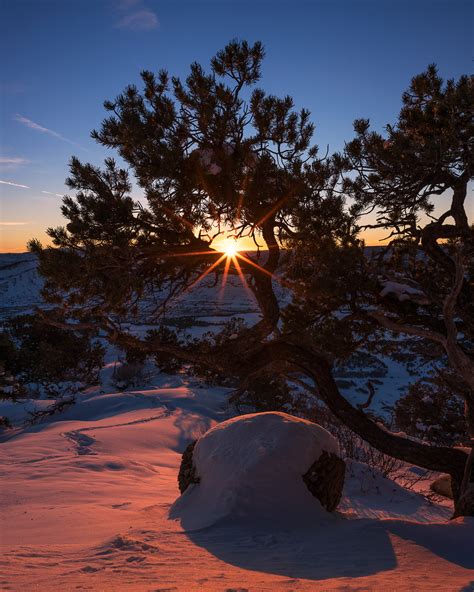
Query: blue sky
62	58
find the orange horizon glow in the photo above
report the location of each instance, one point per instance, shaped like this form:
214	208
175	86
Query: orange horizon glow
15	235
10	242
231	250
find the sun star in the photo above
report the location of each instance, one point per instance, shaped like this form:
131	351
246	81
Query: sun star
229	248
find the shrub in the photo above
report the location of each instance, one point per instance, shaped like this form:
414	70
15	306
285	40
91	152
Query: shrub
265	393
128	374
35	352
433	410
166	336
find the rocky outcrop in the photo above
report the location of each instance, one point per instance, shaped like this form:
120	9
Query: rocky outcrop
442	486
325	479
187	470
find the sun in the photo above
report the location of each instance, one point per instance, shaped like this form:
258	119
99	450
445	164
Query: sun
229	247
230	250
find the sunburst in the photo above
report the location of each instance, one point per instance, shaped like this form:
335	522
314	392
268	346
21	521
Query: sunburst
229	250
230	253
229	247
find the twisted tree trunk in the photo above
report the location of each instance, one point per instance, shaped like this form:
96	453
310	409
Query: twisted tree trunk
279	354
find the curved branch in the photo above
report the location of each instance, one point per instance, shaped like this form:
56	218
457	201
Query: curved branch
315	366
392	325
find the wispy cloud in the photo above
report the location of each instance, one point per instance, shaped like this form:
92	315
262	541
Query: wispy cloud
15	161
51	193
37	126
8	163
136	16
14	223
14	184
140	20
45	130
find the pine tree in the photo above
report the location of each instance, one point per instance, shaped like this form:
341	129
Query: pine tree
423	280
215	157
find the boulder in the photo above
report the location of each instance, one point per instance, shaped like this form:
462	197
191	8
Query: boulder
325	479
261	466
442	486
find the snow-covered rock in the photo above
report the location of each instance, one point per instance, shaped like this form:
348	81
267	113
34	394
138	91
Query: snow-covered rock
206	158
251	467
403	292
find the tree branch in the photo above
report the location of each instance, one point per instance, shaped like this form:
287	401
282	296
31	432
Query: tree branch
392	325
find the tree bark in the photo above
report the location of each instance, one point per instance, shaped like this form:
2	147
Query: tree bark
314	365
465	505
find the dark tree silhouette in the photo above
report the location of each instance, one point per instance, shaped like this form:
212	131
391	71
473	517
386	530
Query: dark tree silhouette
420	284
214	157
426	273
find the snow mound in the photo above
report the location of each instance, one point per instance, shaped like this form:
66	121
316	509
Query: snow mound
250	468
403	292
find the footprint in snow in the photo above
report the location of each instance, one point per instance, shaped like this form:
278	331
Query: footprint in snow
90	569
80	441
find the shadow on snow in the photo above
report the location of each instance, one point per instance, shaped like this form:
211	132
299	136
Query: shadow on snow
348	548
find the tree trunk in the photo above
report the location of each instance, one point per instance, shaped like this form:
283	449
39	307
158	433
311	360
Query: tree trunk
435	458
464	501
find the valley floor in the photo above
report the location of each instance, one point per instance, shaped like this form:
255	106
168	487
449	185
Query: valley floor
84	500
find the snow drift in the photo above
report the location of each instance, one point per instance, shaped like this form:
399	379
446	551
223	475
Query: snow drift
85	498
251	468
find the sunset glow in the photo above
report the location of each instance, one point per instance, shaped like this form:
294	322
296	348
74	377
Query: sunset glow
229	247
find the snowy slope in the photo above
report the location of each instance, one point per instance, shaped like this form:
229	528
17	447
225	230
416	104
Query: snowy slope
205	307
85	496
20	283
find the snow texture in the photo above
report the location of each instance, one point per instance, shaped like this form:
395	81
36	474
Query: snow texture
251	469
85	498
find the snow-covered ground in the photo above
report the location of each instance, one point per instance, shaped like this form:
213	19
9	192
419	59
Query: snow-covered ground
85	499
85	494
